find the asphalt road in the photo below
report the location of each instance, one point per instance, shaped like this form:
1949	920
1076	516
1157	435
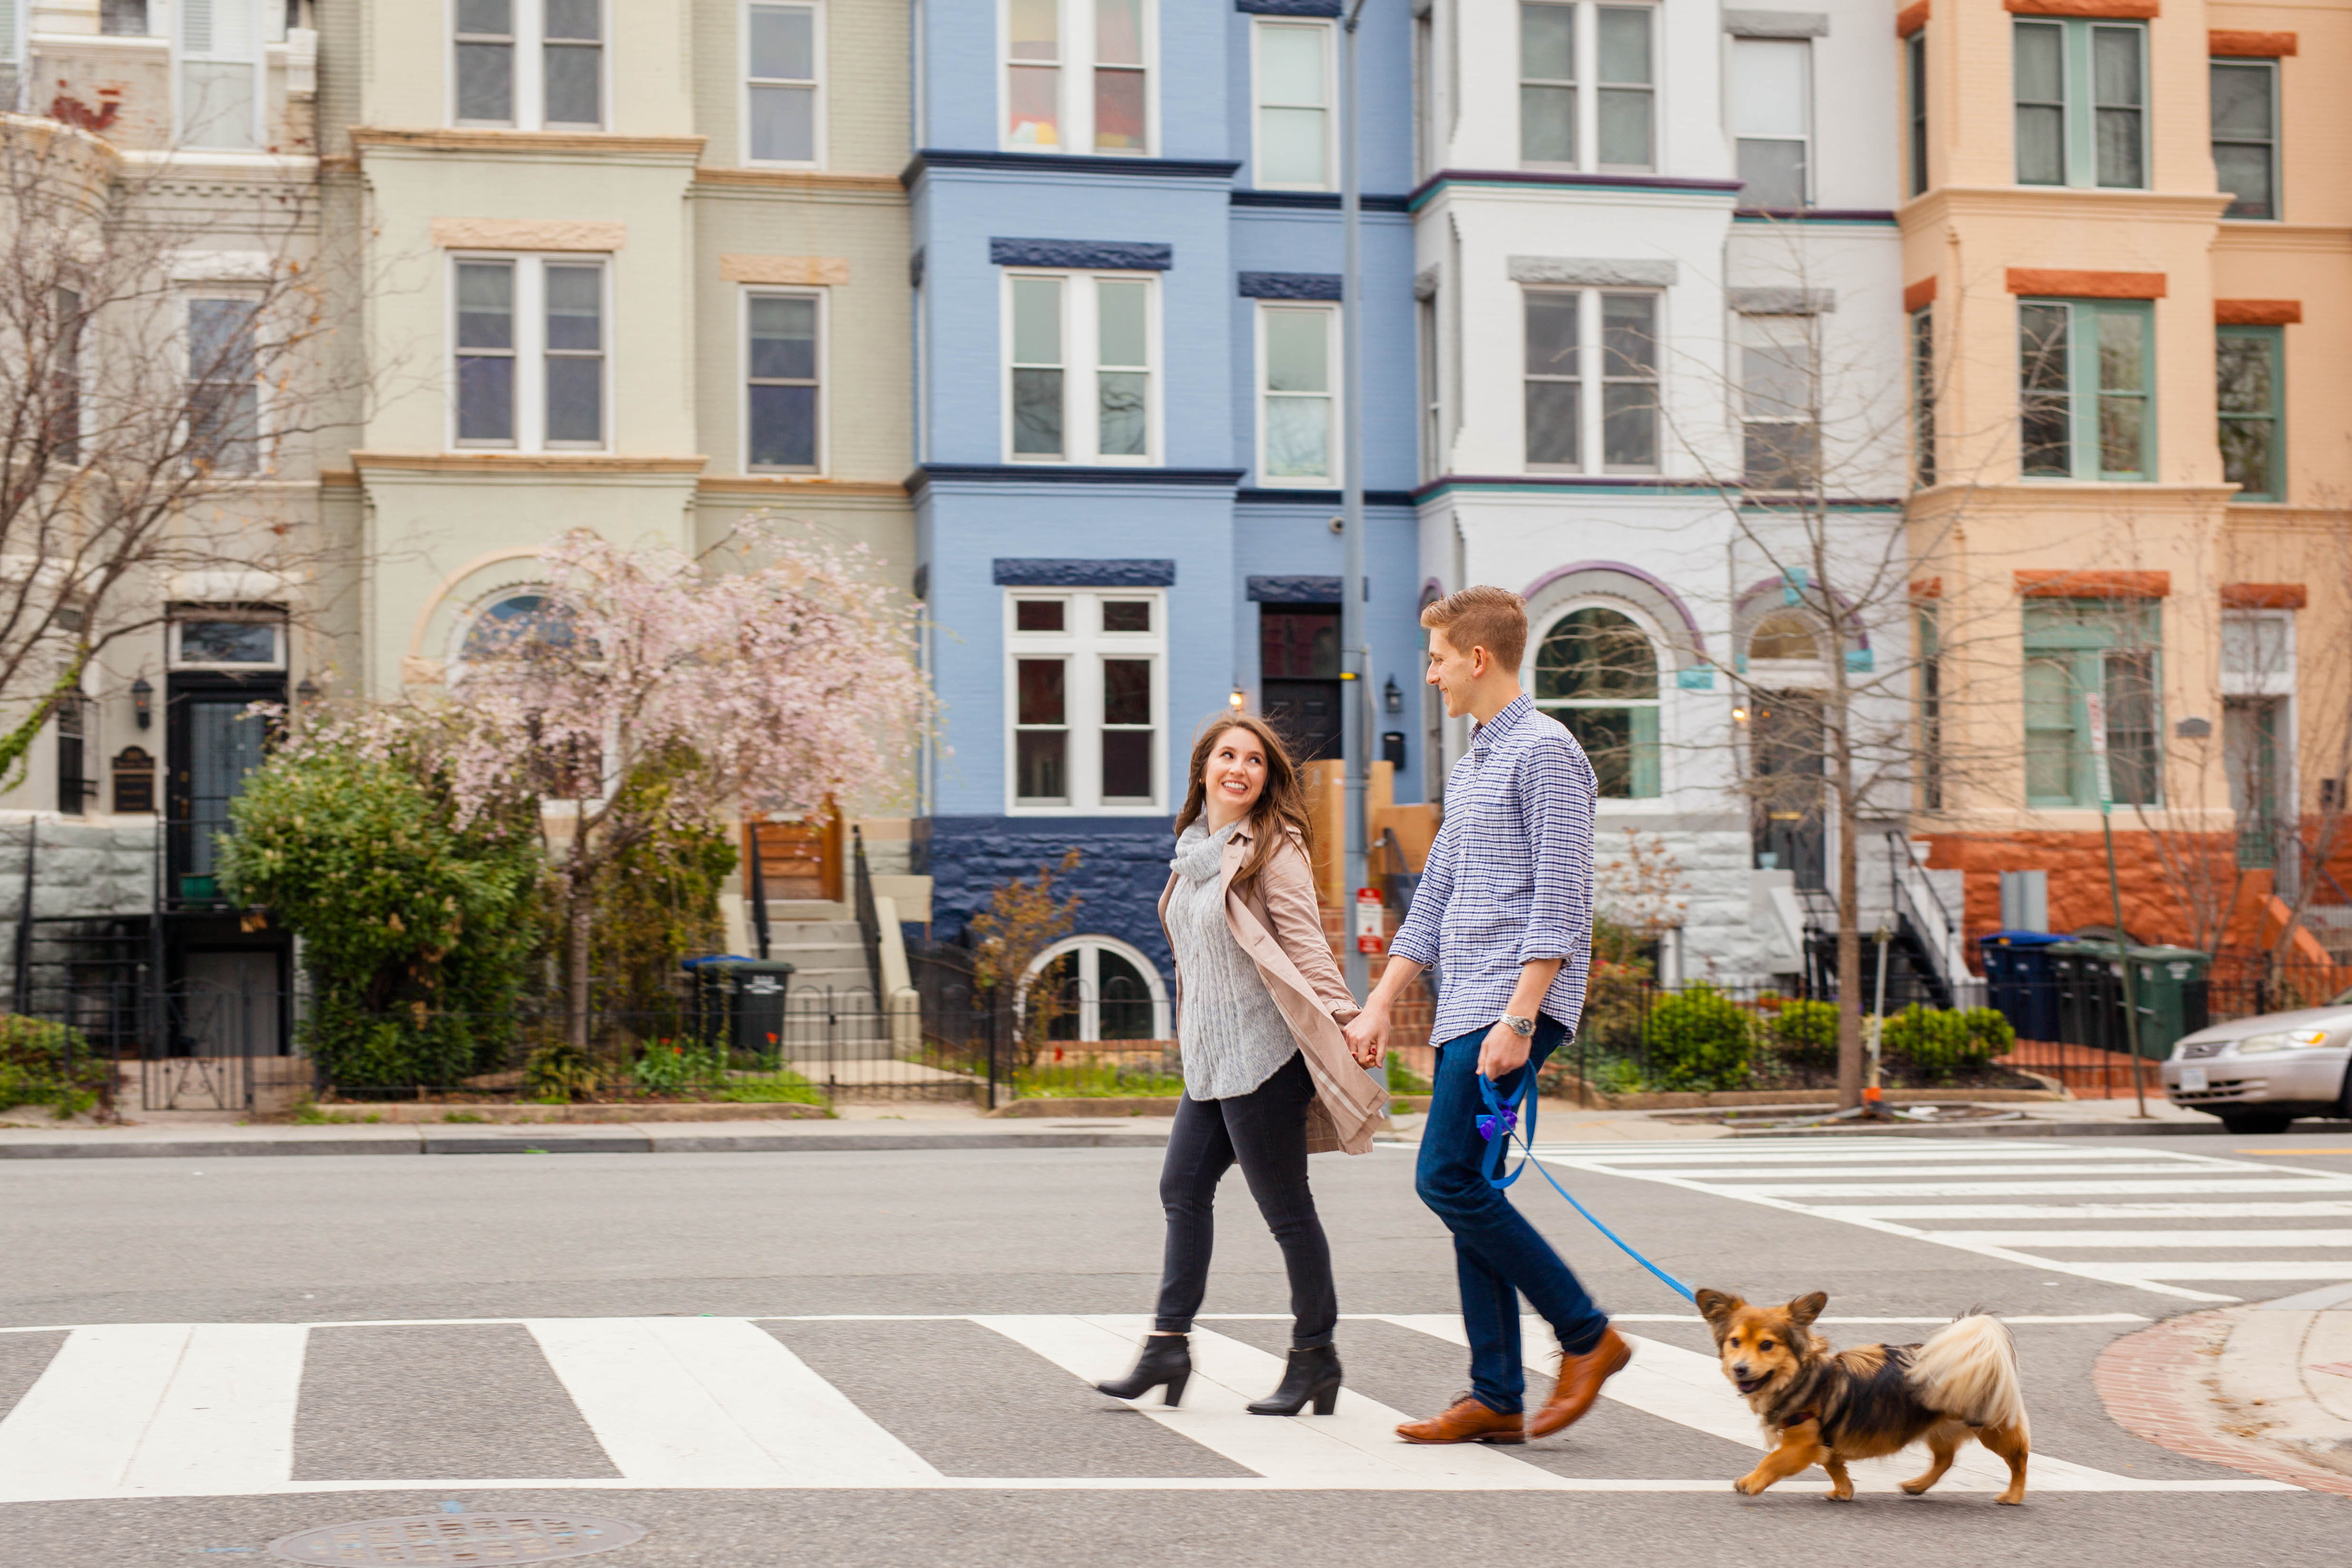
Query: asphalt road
868	1271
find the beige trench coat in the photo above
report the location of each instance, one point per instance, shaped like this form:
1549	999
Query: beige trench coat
1279	925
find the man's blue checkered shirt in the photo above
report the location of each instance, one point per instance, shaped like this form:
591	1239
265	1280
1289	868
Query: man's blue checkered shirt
1510	877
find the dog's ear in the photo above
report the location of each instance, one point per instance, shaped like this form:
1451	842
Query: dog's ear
1805	1309
1716	1308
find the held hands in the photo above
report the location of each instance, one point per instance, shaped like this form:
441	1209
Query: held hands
1502	1053
1367	1033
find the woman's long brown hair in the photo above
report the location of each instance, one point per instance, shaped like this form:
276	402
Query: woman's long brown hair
1281	807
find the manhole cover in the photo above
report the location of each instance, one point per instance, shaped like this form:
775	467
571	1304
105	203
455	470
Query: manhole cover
459	1538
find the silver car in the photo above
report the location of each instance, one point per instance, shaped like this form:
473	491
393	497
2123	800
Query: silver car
2260	1073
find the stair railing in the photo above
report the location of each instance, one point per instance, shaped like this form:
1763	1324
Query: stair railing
869	920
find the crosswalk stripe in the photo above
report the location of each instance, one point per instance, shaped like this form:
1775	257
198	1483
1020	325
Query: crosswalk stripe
2027	1188
2168	1238
157	1408
2137	1270
2322	1209
688	1402
1741	1154
2230	1173
1354	1446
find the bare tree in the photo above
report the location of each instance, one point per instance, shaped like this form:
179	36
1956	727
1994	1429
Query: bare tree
163	363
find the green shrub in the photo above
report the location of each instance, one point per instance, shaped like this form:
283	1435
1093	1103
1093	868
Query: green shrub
1932	1041
1989	1035
560	1073
1619	1075
50	1064
1404	1080
666	1067
1805	1034
1698	1039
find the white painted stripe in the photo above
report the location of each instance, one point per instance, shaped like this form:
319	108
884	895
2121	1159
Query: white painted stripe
1354	1446
2321	1209
2185	1238
1911	1172
157	1409
1765	1200
689	1402
1711	1158
1711	1485
2139	1269
2025	1188
228	1418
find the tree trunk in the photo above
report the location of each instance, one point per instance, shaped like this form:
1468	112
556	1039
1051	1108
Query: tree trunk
578	884
1849	946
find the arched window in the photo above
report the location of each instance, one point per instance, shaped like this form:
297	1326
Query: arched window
1596	672
1098	989
527	622
1786	636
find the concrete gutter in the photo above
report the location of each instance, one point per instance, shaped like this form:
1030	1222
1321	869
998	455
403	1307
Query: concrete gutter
648	1138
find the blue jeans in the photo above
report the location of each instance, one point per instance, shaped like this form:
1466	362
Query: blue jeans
1497	1255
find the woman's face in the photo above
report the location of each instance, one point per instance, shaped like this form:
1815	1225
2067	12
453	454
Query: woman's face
1234	774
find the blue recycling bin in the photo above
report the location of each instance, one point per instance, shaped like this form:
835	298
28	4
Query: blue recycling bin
2022	980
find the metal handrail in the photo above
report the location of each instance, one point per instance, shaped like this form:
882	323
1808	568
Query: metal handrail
869	920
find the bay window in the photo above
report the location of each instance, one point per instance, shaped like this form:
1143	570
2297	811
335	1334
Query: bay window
1294	104
1086	698
532	65
1297	395
1574	339
1077	76
1079	373
529	345
2081	89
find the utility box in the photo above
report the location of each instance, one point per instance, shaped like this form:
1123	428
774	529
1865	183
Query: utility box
2022	980
740	1000
2024	902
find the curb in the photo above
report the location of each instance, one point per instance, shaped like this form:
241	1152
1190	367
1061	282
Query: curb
2150	1383
545	1141
2023	1129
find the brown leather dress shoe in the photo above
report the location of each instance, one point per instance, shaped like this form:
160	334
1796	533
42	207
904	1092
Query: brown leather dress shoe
1581	1377
1464	1421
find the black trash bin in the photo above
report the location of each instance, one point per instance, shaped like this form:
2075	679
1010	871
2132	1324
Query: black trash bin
740	1000
2022	980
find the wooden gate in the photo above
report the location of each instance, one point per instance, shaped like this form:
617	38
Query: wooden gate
798	860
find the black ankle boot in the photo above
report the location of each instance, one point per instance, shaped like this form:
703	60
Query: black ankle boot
1311	1375
1167	1359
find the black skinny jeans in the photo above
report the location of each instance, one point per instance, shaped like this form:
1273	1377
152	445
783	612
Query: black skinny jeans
1266	1130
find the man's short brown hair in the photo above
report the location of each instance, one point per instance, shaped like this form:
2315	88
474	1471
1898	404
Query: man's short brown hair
1487	617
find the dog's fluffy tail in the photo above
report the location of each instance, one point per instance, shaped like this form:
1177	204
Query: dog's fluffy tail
1968	1369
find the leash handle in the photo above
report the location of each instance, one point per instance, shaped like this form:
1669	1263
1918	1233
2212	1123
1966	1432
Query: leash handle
1496	1126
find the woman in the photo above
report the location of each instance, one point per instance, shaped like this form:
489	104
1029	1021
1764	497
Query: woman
1267	1074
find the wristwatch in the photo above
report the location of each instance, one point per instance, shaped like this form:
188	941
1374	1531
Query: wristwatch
1518	1025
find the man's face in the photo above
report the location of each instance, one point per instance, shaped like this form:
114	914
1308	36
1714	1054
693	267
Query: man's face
1451	670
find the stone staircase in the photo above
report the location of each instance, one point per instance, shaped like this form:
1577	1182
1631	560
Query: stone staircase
831	1013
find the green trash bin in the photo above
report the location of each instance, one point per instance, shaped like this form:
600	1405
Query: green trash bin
2168	987
743	997
2168	991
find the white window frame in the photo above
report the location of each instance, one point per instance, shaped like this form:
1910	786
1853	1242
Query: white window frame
1258	106
1804	138
818	84
824	298
175	660
1074	110
1592	380
263	405
267	21
1589	86
1331	350
1088	950
2278	681
1081	400
1083	645
1547	617
530	70
530	349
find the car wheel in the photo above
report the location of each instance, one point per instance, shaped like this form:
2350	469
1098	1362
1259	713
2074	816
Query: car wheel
2257	1124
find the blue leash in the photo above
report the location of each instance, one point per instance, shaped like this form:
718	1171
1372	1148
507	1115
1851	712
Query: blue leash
1497	1127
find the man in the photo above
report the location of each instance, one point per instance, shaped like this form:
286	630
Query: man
1504	909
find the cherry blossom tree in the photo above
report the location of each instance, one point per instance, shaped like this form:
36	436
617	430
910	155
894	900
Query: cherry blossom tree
770	674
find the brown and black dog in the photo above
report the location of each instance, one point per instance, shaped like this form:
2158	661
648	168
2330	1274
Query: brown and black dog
1829	1409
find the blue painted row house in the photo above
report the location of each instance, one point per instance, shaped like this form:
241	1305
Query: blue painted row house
1128	343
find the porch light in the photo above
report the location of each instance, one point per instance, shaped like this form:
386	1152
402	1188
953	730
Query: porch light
1391	699
1238	700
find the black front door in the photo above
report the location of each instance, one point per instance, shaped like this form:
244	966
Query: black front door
212	741
1299	675
1785	740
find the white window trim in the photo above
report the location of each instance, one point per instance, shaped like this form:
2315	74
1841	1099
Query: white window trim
1331	350
172	659
744	80
168	17
530	70
1081	403
824	298
1589	369
1090	983
1330	181
265	406
530	349
1545	619
1806	137
1587	85
1083	646
2272	683
1075	110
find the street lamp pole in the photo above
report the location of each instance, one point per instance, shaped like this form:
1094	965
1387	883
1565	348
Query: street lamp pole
1356	670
